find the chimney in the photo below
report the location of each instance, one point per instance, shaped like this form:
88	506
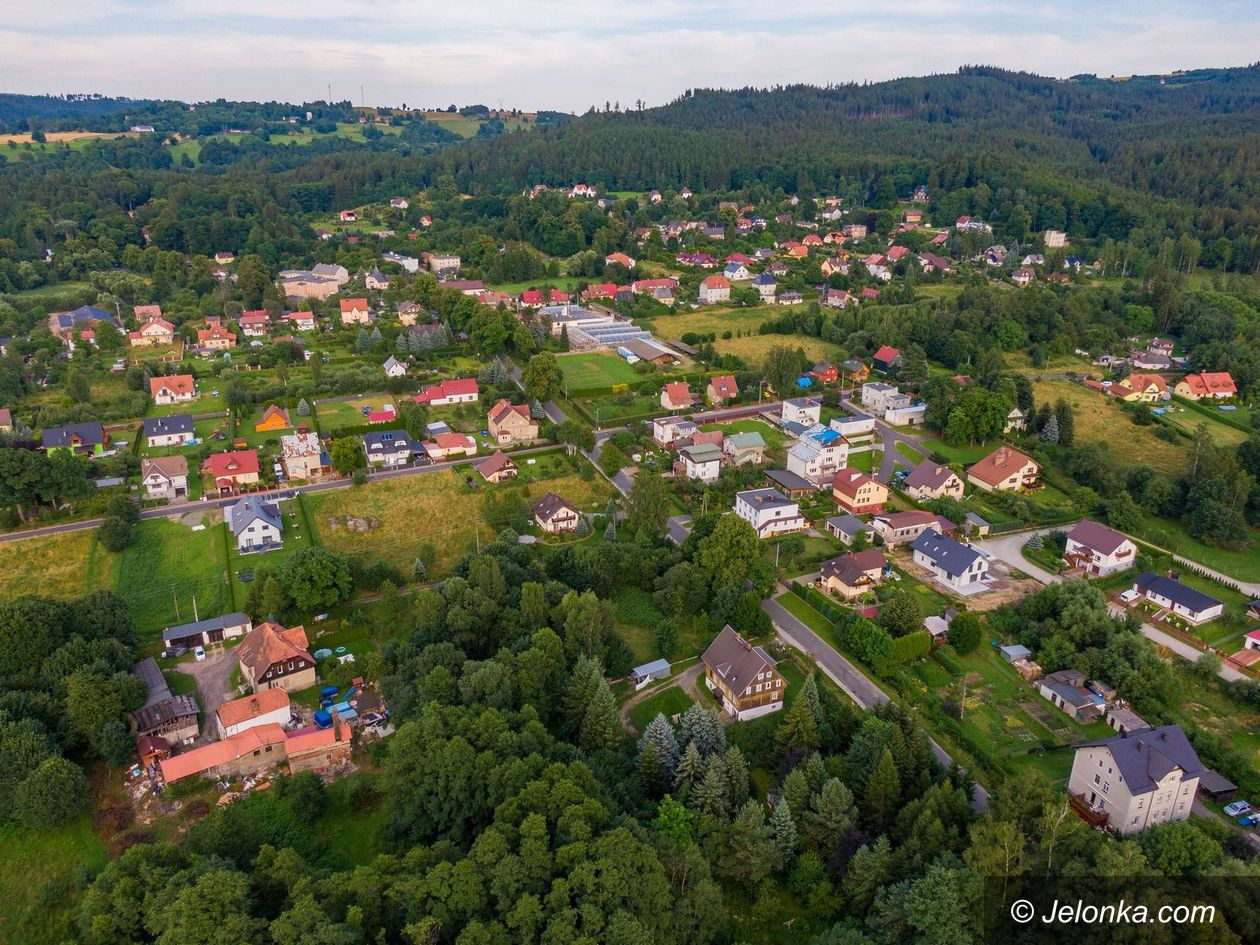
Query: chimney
336	724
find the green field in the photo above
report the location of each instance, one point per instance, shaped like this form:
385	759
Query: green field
213	399
670	701
70	564
592	371
58	288
169	565
40	872
334	415
960	454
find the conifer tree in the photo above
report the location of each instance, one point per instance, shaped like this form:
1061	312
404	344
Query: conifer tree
882	796
735	771
660	738
783	832
600	724
709	796
690	768
750	850
798	731
831	813
701	726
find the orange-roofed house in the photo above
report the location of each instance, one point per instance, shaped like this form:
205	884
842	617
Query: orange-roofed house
676	396
172	389
715	289
354	312
272	656
1141	388
232	471
722	388
1217	385
621	259
459	390
253	750
446	445
268	707
1004	470
216	339
255	324
273	418
510	424
315	749
156	331
856	492
146	313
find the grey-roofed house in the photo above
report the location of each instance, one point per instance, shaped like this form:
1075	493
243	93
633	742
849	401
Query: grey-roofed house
790	484
163	715
848	527
256	525
208	631
743	676
83	438
175	430
1130	782
769	512
389	448
745	448
1185	602
954	565
554	515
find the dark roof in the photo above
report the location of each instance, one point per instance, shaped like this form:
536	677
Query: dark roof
250	508
928	475
166	426
1096	537
851	567
388	441
1175	591
789	480
236	619
1146	757
89	434
495	463
154	682
154	716
550	504
849	524
736	660
765	498
952	557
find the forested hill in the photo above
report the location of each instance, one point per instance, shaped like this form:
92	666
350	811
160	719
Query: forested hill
17	112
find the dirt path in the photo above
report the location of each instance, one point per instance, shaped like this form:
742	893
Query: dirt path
686	680
213	677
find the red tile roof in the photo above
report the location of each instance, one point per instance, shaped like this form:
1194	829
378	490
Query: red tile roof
250	707
1211	382
175	383
227	465
269	643
220	753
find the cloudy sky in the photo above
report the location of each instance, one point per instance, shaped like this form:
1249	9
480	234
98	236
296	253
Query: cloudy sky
569	54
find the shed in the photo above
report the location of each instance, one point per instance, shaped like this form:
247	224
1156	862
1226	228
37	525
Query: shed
640	676
1216	786
937	626
1016	652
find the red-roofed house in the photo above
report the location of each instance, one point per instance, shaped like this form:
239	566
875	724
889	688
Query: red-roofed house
721	388
715	289
156	331
232	471
444	445
602	290
621	259
255	324
355	312
458	390
676	396
172	389
272	656
886	358
250	751
1215	384
216	339
856	492
268	707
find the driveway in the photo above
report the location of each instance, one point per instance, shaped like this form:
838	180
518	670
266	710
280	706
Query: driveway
213	679
891	438
686	681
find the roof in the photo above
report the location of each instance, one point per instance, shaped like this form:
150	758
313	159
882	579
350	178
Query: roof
88	434
175	383
1147	757
1175	591
274	411
716	282
724	384
270	643
149	717
850	567
948	554
250	509
495	463
453	441
387	441
1139	382
678	392
999	465
746	441
300	444
503	409
455	387
768	498
1211	382
656	666
165	465
702	453
239	463
168	426
1096	537
736	661
236	619
788	480
896	520
848	481
550	505
1017	650
849	524
251	707
220	753
887	353
154	682
928	475
308	740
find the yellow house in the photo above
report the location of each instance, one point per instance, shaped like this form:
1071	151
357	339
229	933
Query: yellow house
1141	388
273	418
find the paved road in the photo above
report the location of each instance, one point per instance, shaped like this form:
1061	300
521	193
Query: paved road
891	438
284	492
847	676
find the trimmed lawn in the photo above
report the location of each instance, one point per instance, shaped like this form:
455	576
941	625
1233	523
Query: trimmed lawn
296	535
714	319
805	614
1243	564
959	454
332	415
589	371
671	701
212	400
865	460
40	872
67	565
909	453
167	566
1187	419
616	409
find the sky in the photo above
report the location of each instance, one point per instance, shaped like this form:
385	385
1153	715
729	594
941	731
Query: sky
571	54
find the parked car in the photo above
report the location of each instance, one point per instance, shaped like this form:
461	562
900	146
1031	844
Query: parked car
1237	809
175	651
199	654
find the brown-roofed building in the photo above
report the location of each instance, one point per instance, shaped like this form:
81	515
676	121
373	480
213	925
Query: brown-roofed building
510	424
676	396
266	707
164	477
1097	549
931	480
744	676
852	575
6	420
555	516
722	388
318	749
271	656
856	492
172	389
216	339
897	528
497	467
1004	470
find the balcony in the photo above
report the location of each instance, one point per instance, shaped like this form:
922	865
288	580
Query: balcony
1095	817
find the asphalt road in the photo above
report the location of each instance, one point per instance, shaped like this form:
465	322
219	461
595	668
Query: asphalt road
891	438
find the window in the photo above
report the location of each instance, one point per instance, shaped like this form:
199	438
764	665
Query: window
778	683
1106	786
1097	779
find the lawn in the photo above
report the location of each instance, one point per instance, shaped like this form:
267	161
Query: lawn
805	614
432	507
346	835
958	454
168	566
55	288
591	371
333	415
716	320
1187	420
40	871
296	535
213	399
67	565
671	701
865	460
909	453
1243	564
615	409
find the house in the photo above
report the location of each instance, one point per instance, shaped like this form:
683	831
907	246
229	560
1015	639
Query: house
834	265
1004	470
376	281
87	439
896	528
272	656
354	312
803	411
715	289
207	632
1015	420
737	272
1185	602
879	397
256	324
856	371
157	331
1150	360
394	367
699	461
1215	384
268	707
301	321
510	424
854	574
887	359
790	484
6	420
175	430
84	318
256	525
1066	690
248	753
440	263
555	516
407	263
848	527
920	194
215	339
791	297
676	396
1137	780
347	216
834	298
232	471
1141	388
932	263
1023	276
448	444
459	390
315	749
743	676
619	259
952	564
172	389
170	718
766	286
303	456
498	467
911	216
816	460
722	388
1054	239
825	372
665	430
1098	549
856	492
744	448
389	449
399	203
769	512
164	477
930	480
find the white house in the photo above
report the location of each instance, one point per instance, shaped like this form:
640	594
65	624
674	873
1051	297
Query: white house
265	707
1137	780
803	411
409	263
877	396
702	462
857	427
952	564
816	461
255	524
175	430
769	512
389	448
1098	549
1185	602
665	430
395	368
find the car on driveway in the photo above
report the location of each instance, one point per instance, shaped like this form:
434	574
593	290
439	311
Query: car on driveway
1237	809
199	654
